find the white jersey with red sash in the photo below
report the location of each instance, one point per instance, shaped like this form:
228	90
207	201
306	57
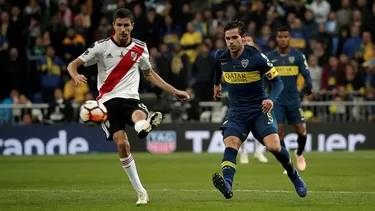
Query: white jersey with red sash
118	67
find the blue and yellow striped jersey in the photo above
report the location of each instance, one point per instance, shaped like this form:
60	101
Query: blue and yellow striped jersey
244	78
289	68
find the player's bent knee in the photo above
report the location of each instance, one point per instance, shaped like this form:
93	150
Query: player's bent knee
233	142
138	115
119	136
301	129
121	139
274	148
232	137
272	143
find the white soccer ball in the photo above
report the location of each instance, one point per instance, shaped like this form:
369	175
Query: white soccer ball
93	113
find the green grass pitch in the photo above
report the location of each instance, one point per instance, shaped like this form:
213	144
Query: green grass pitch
182	181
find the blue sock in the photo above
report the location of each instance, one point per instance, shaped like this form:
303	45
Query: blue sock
228	164
284	159
301	140
282	143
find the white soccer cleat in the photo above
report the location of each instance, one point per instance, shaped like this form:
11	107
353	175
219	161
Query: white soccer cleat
151	123
285	172
260	157
301	163
155	119
142	198
244	159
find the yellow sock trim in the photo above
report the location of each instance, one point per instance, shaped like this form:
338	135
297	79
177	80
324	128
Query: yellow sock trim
228	163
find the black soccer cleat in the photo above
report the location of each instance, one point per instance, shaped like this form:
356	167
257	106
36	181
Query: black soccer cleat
223	186
151	123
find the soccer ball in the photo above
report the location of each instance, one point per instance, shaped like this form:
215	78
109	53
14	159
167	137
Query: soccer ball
93	113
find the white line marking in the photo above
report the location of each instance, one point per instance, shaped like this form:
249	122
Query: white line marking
44	190
273	191
181	190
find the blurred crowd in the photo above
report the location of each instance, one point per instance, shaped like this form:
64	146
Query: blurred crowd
38	38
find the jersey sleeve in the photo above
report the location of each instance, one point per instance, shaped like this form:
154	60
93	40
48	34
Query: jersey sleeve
304	69
274	81
144	61
91	55
267	67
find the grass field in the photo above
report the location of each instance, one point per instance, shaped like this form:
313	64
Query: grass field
182	181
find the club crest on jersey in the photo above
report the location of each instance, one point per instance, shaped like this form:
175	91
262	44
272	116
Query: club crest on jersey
291	59
244	63
133	55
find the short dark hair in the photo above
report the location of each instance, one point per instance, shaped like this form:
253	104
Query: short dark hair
123	13
236	24
283	29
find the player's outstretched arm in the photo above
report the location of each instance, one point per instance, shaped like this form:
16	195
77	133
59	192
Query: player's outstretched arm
73	71
155	79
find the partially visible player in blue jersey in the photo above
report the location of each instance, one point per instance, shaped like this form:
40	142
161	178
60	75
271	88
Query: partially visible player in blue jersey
289	63
250	109
258	154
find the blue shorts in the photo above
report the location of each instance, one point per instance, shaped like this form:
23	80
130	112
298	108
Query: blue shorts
239	126
293	114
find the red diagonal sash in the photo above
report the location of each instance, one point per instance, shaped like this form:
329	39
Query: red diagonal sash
122	68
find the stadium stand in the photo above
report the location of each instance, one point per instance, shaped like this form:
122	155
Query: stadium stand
39	38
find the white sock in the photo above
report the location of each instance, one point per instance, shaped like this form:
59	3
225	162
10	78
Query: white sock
131	170
138	125
243	149
258	147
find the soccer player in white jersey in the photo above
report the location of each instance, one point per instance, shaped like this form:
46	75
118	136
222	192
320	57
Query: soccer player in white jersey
258	154
119	59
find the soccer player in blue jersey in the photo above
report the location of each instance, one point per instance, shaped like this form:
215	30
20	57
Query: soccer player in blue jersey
290	63
250	109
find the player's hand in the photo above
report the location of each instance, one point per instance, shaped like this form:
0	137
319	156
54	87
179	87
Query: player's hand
308	90
308	93
217	92
181	95
80	79
267	106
